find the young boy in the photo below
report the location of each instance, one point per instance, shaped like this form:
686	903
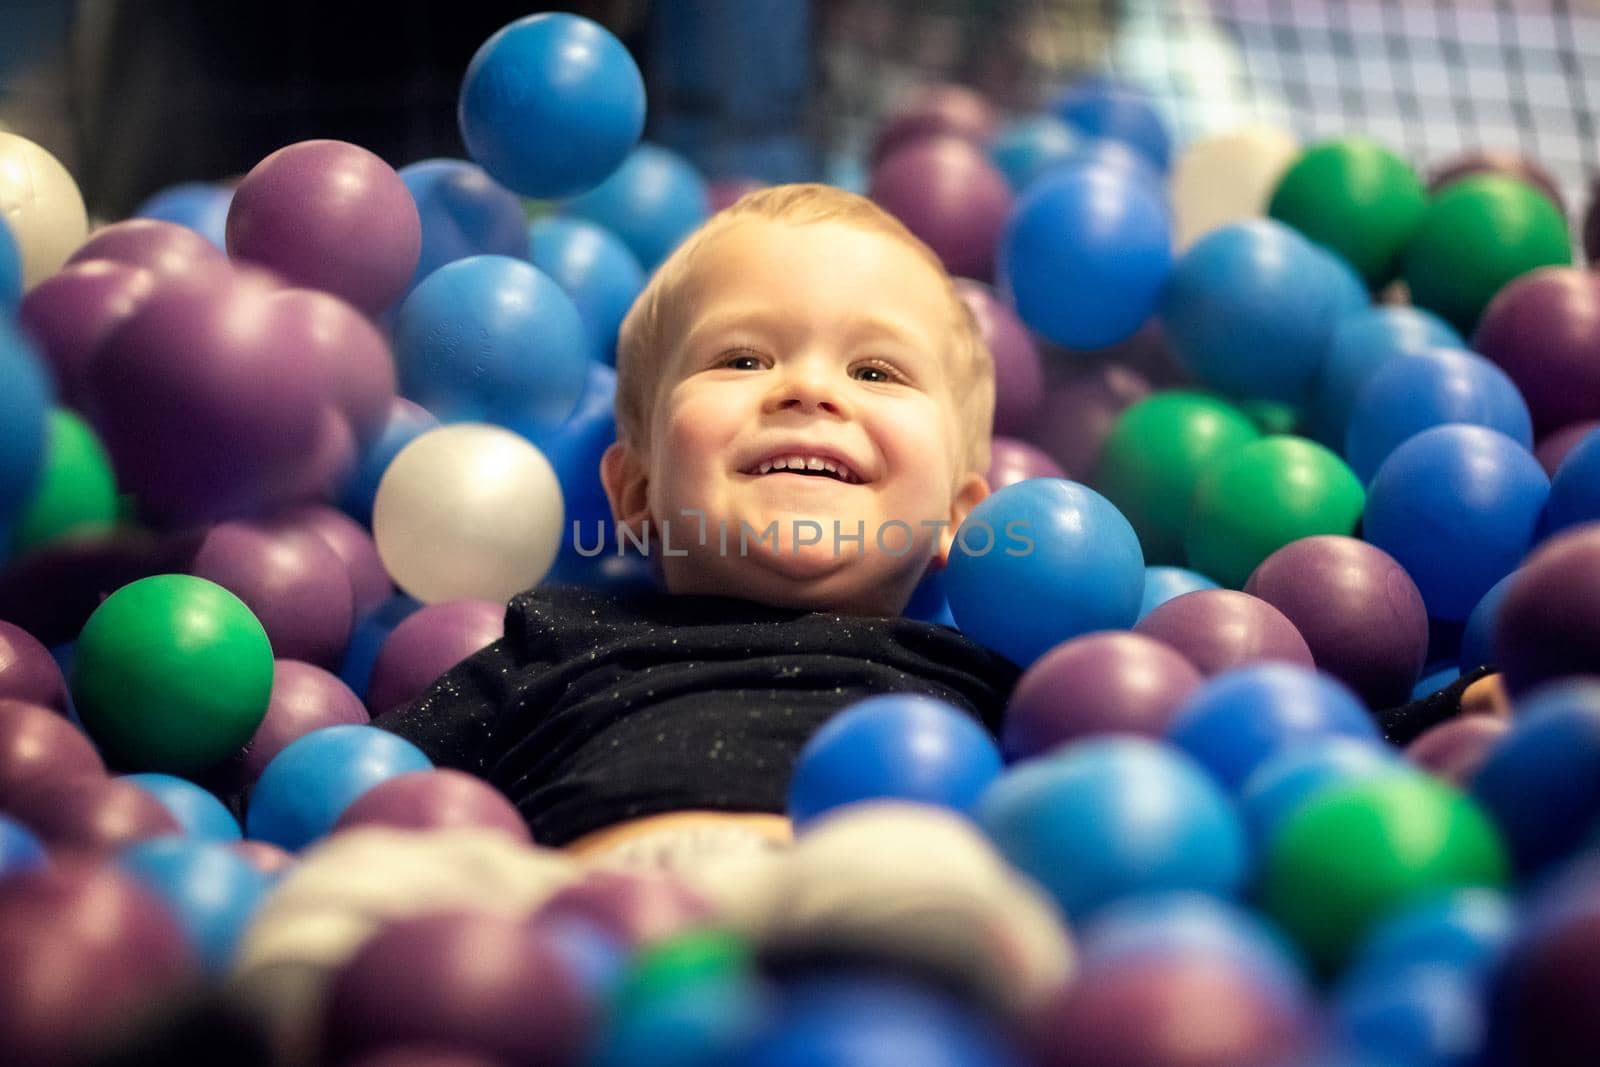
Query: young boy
804	408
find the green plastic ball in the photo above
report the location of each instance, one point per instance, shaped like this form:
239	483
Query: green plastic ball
1256	499
172	673
77	491
1477	235
1357	198
1156	452
1354	853
693	958
1271	416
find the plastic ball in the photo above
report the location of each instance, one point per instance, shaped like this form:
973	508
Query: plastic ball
702	1018
1476	236
1548	626
464	212
307	786
1162	584
1092	232
41	205
166	249
1457	507
1454	750
1155	455
1104	819
366	640
1542	996
1018	370
38	746
93	813
26	394
76	493
1431	388
1477	638
1359	612
1363	342
10	271
1282	783
1100	108
1240	719
329	215
71	312
1262	496
1030	146
354	355
896	746
264	857
636	908
938	110
1496	161
1055	544
1251	309
1012	461
172	673
1434	1017
1076	415
595	269
20	850
491	338
1227	178
304	698
1575	489
369	582
1095	684
1553	447
651	202
1382	843
404	423
27	670
1220	629
468	511
201	206
1465	932
428	642
949	195
1357	198
294	583
202	816
436	800
550	105
212	891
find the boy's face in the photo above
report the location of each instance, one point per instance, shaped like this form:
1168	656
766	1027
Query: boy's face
818	339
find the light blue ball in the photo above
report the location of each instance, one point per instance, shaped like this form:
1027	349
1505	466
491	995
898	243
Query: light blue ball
1042	561
1575	490
595	269
202	816
1362	342
1105	819
211	890
1466	931
1477	640
1161	584
1431	1018
1028	147
405	424
201	206
551	104
20	850
1276	789
491	339
464	212
315	778
652	202
26	396
1100	107
10	271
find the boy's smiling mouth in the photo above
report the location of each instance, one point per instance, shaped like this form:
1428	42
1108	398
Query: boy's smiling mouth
806	464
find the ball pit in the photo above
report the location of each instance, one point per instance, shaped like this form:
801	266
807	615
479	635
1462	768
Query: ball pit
946	192
652	201
304	698
595	270
1219	629
307	786
73	311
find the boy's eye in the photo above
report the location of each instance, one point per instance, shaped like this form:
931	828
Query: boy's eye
884	372
741	361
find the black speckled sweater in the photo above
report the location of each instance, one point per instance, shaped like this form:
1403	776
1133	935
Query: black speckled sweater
593	710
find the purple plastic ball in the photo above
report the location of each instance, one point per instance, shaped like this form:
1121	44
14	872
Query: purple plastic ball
27	670
1018	371
72	312
351	542
1220	629
38	746
354	355
436	800
474	982
205	404
164	248
1553	448
290	578
1543	329
1359	612
951	195
1493	161
424	1056
1455	749
1548	625
1011	461
935	111
93	813
304	698
635	909
329	215
427	643
1099	683
1078	413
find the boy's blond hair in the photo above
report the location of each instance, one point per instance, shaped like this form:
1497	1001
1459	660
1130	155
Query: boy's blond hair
641	343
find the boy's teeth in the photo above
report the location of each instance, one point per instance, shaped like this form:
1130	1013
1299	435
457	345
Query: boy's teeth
807	463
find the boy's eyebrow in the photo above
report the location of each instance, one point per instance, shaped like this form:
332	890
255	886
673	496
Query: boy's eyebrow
860	326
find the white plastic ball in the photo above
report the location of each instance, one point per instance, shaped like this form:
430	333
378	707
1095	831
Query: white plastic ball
42	205
1227	178
468	511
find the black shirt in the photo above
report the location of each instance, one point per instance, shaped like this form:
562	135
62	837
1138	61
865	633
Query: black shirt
593	709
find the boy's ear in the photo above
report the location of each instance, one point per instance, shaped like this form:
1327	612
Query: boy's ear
974	488
626	484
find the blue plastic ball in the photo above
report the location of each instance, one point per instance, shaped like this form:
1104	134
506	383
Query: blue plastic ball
366	641
1028	147
308	785
1435	676
1465	930
1541	782
1575	490
1457	507
595	269
1430	388
1362	342
653	201
551	104
929	602
1085	254
1477	639
211	890
1102	108
897	746
491	339
1241	718
1042	561
464	212
1104	819
1161	584
26	395
20	850
1429	1018
406	422
202	816
1282	783
1251	308
698	1025
201	206
10	271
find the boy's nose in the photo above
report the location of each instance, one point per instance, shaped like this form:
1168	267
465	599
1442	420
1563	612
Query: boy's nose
806	389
